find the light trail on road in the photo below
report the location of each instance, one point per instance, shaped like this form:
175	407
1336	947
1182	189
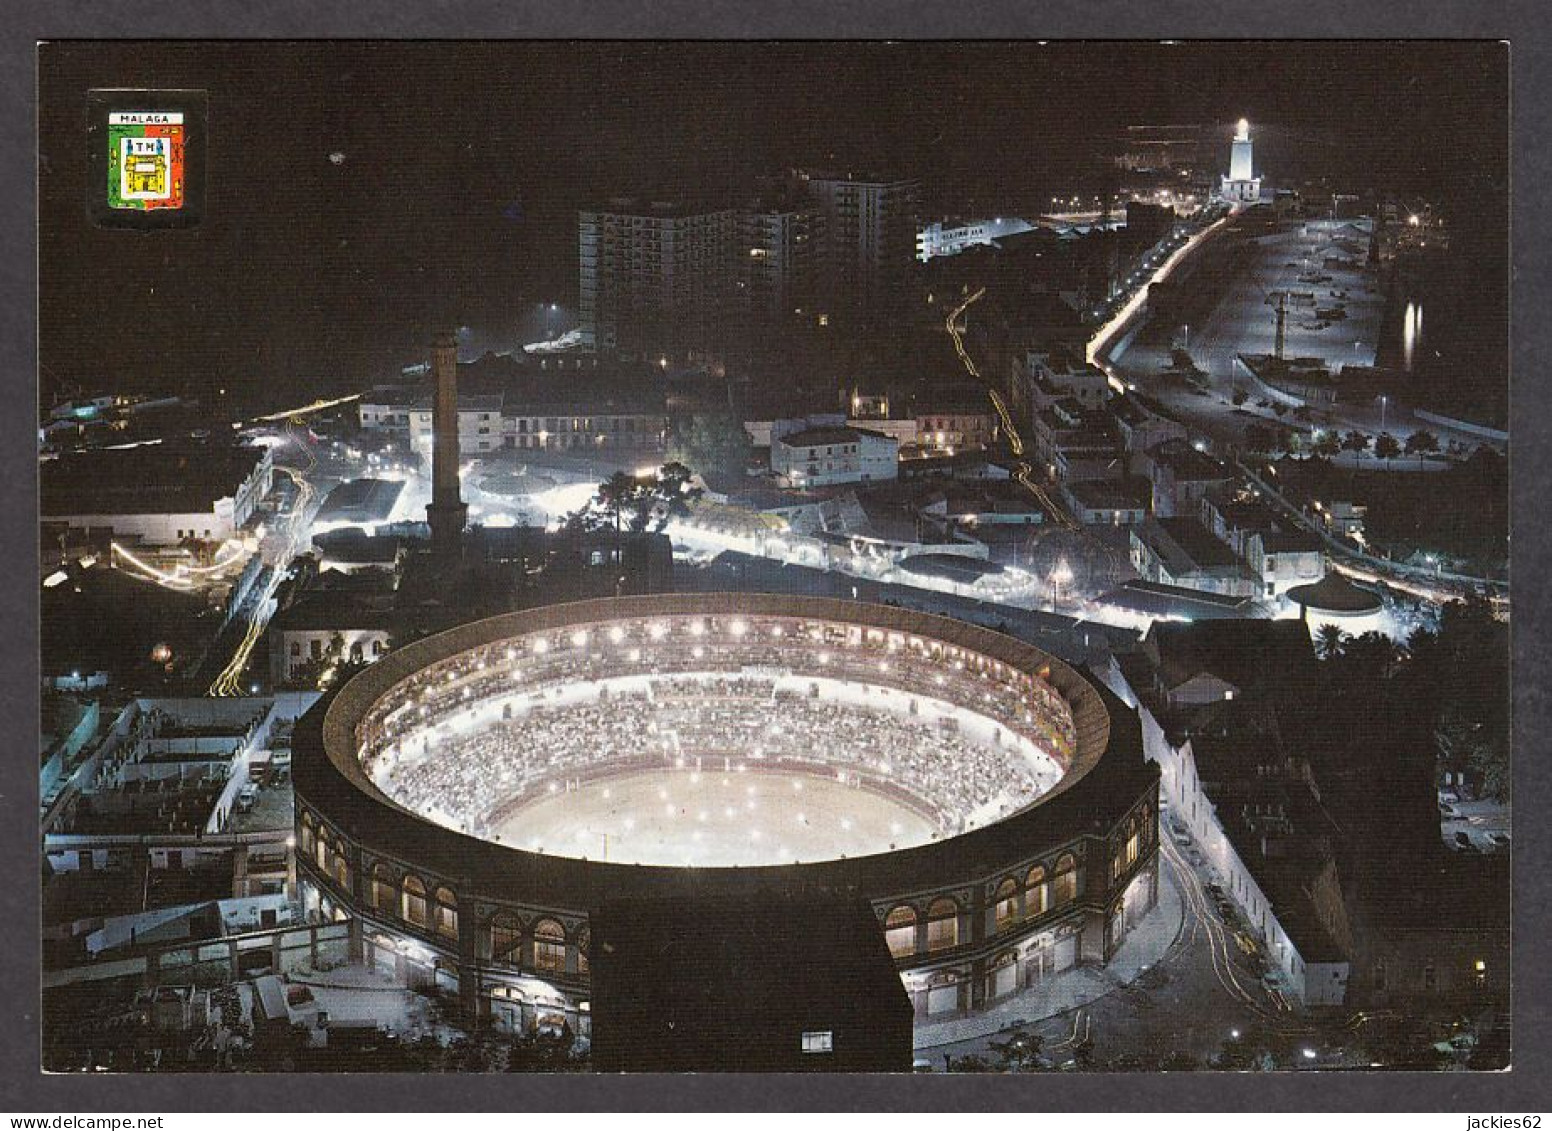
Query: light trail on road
1222	957
179	578
297	413
1440	596
1023	473
1109	330
229	681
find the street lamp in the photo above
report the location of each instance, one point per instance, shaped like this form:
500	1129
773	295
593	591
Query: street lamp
1384	404
1060	576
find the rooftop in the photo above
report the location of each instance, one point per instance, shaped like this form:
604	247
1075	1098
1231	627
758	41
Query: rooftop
1150	598
816	437
668	208
1186	463
1242	652
360	500
1185	545
1111	494
155	479
1334	593
952	567
1290	542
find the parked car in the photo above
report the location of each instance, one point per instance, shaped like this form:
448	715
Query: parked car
247	797
1464	841
1500	839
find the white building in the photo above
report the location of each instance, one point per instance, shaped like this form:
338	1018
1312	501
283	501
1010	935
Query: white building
487	422
159	495
818	457
949	238
406	414
317	630
1192	818
1285	560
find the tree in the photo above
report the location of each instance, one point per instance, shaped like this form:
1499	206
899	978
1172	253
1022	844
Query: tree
1355	441
710	443
1490	763
1420	443
1464	675
637	504
1329	641
968	1063
1259	438
1018	1051
1327	444
1386	447
1372	655
1178	1062
1240	397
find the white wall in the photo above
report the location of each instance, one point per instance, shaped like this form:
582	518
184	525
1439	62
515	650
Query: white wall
215	524
1180	786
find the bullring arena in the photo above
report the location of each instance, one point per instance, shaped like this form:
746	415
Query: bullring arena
470	799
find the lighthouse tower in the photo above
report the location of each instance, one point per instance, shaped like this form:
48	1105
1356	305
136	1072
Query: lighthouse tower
1241	186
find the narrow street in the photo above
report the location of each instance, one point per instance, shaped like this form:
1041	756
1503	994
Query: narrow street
1024	471
297	523
1191	1001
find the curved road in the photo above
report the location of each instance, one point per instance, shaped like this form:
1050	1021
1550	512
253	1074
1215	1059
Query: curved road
1024	471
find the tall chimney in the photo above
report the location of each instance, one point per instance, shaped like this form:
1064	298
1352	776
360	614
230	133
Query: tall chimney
447	512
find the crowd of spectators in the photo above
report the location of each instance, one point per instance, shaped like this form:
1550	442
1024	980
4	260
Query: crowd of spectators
472	737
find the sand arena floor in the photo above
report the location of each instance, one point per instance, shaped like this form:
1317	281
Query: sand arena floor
714	819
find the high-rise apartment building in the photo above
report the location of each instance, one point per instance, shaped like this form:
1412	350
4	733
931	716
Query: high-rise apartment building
869	236
657	278
782	258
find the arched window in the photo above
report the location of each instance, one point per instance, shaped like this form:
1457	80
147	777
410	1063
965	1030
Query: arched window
900	931
549	946
413	906
321	850
942	924
1133	847
340	867
446	913
1064	884
307	835
1037	894
380	890
506	940
1006	909
583	941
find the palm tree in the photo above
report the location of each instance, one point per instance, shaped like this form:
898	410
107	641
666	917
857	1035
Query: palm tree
1330	641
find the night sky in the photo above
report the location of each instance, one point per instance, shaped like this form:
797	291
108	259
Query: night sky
463	166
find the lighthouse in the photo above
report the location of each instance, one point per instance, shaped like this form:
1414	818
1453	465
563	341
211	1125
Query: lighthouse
1241	186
